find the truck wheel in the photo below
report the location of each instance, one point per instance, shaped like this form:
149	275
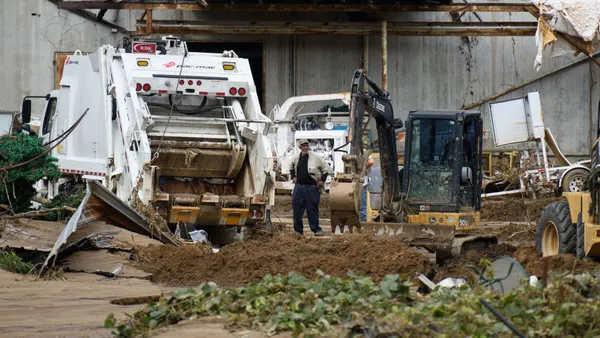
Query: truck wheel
580	249
555	233
573	180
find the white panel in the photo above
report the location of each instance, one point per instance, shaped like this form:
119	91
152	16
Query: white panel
5	122
535	111
509	122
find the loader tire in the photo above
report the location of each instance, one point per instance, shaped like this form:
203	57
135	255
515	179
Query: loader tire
579	248
556	234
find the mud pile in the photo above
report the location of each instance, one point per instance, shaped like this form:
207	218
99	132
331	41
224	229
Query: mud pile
514	209
530	259
249	261
534	262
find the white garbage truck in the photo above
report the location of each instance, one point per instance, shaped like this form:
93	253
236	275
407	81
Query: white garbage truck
181	130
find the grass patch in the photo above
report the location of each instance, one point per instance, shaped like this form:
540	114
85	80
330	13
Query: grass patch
10	261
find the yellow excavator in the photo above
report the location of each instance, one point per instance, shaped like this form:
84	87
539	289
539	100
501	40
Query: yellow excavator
433	201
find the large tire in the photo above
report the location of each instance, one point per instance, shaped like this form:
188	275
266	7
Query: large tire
556	234
579	248
574	180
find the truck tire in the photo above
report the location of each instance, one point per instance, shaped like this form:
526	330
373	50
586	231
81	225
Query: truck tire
579	248
573	181
556	234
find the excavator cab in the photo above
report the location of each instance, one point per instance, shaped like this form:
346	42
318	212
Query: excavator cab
443	166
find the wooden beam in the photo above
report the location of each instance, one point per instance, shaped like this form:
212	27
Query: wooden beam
356	28
149	21
309	7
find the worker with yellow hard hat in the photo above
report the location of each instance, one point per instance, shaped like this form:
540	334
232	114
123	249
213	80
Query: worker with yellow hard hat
363	201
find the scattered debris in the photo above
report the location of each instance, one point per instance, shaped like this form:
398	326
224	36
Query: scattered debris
446	283
102	262
458	267
105	206
135	300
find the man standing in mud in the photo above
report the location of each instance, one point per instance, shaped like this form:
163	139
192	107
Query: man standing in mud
309	172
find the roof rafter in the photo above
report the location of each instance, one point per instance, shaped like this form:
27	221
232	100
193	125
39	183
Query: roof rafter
288	7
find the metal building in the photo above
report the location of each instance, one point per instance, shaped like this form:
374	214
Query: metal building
434	54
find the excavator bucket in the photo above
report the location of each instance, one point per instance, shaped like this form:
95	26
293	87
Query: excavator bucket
344	202
411	233
345	210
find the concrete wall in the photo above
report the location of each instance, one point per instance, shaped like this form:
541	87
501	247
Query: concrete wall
423	72
30	33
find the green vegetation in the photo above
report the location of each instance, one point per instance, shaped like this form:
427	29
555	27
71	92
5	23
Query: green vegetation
9	261
16	185
567	307
67	200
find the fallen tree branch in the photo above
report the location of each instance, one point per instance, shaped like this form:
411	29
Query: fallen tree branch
37	213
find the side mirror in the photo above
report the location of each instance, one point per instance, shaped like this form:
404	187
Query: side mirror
26	111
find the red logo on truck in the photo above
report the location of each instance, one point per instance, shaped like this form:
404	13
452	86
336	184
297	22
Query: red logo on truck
144	47
169	64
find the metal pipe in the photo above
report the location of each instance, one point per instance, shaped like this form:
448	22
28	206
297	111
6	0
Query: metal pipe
590	105
365	60
384	31
511	89
186	200
235	128
191	144
501	317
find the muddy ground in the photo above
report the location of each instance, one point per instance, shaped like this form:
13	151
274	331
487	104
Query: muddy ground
78	304
514	208
512	219
511	208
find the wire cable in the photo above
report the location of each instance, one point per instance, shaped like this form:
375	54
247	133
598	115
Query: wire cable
66	134
157	153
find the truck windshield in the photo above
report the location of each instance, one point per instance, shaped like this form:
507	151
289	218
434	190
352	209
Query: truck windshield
431	161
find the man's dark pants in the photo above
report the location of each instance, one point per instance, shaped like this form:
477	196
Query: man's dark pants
306	198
